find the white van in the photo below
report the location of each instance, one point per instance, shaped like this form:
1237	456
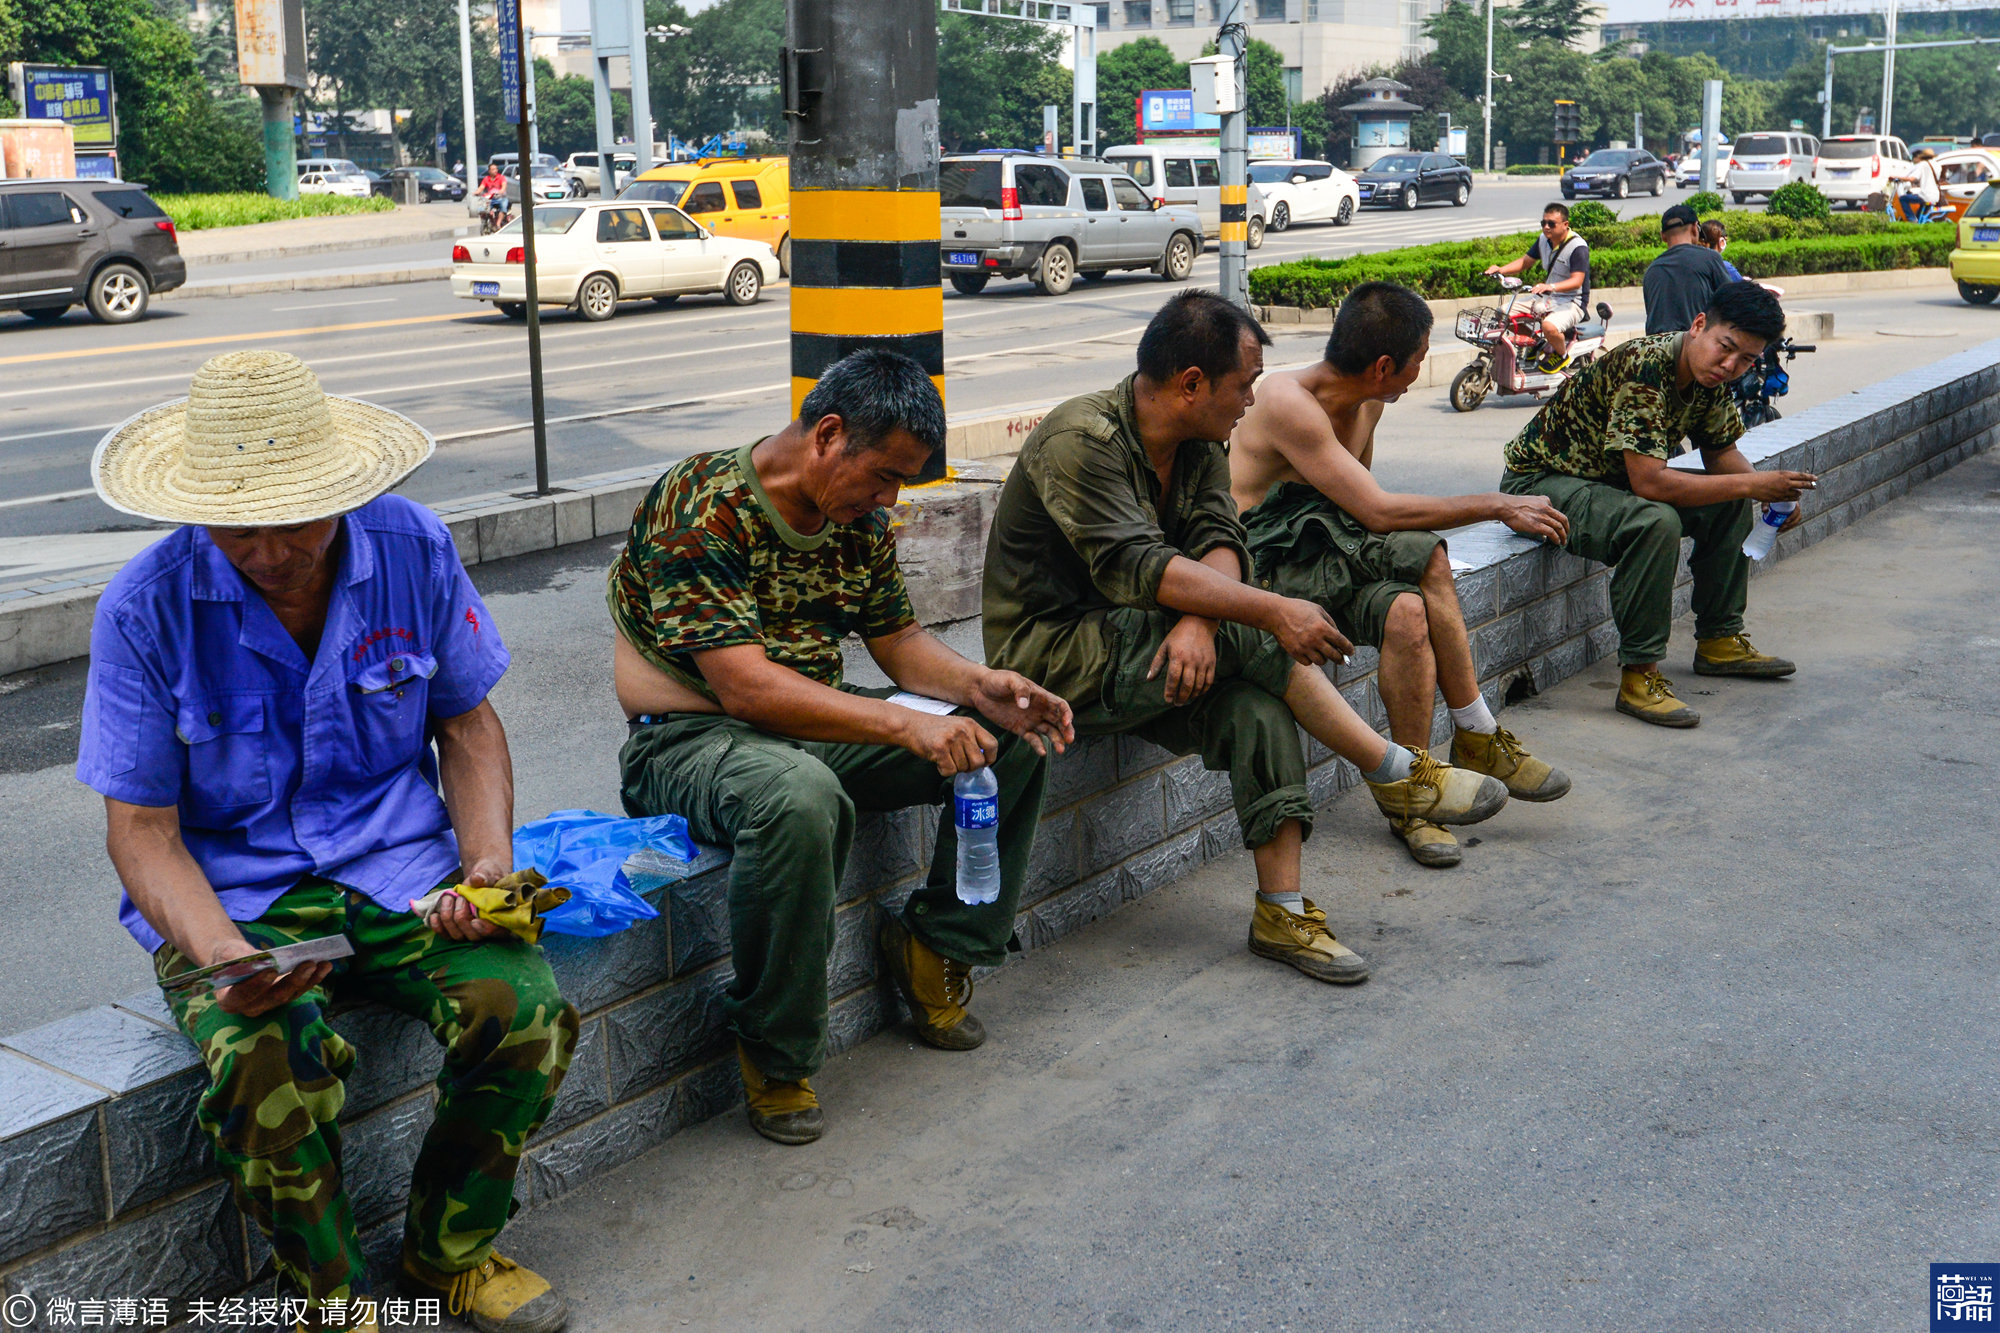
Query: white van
1851	167
1191	176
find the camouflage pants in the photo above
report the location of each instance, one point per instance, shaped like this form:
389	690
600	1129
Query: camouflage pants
276	1084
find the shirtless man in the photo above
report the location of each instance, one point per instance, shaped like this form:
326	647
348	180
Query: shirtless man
1321	528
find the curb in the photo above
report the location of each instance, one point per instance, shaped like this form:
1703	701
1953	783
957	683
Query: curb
439	233
313	282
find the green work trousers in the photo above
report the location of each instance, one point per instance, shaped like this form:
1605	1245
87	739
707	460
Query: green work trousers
277	1083
1641	541
1241	725
787	810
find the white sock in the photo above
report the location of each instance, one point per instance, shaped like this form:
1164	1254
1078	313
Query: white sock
1395	765
1293	902
1475	716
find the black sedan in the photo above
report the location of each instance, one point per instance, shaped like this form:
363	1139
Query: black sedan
1616	173
432	184
1404	180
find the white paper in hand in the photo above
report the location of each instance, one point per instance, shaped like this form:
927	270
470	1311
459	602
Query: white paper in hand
923	703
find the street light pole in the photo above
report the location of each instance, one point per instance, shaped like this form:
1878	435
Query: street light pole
1888	69
465	73
1489	87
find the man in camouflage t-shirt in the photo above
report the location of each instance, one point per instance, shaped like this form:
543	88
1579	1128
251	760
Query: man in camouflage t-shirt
743	574
1599	452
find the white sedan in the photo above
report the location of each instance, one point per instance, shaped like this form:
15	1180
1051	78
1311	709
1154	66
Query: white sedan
1304	191
1687	171
333	182
590	257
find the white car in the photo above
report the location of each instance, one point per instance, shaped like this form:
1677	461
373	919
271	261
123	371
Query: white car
1687	171
1851	167
581	169
590	257
549	183
1304	190
327	182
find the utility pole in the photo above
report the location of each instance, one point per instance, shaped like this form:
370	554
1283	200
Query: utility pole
1888	70
465	75
533	119
1218	88
1711	129
513	55
858	80
1489	87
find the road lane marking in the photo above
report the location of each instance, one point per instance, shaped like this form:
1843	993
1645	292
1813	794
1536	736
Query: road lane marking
612	412
76	352
53	495
331	305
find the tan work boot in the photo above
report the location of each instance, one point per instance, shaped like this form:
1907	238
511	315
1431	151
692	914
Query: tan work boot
1649	696
1501	756
1440	793
1733	656
782	1112
936	989
499	1296
1431	844
1305	943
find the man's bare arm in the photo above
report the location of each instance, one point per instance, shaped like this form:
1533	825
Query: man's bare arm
1306	631
176	899
1305	438
774	698
1730	477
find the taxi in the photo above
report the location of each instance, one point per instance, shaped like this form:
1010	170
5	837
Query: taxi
749	198
1975	264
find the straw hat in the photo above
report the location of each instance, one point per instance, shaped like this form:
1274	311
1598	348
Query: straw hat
256	443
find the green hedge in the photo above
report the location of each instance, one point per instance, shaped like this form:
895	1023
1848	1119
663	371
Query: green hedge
1530	169
198	212
1457	269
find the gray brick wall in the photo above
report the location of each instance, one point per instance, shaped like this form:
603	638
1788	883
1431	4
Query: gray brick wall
106	1187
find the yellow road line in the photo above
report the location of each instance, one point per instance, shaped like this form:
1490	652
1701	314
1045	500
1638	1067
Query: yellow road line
234	338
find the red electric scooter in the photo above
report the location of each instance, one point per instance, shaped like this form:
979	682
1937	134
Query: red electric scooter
1510	343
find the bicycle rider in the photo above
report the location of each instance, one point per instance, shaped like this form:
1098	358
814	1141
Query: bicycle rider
1565	260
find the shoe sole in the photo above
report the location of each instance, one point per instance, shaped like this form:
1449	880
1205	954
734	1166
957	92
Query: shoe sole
1744	672
791	1138
1542	796
1677	721
1293	960
1436	858
526	1319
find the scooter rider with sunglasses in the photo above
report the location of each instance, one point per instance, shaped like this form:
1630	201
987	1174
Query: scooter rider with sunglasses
1565	259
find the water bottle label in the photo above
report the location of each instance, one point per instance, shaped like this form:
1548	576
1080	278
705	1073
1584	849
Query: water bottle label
978	811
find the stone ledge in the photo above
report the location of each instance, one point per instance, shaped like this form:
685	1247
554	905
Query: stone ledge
104	1182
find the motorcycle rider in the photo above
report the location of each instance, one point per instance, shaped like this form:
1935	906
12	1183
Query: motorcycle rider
1921	193
1565	260
493	189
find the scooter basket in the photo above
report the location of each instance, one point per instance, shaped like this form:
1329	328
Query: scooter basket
1474	324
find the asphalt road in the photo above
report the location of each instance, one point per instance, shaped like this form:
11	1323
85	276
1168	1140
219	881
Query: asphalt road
461	369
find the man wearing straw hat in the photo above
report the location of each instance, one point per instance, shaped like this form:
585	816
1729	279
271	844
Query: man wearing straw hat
265	685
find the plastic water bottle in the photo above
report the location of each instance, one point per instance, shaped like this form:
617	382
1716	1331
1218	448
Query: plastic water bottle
1765	534
975	801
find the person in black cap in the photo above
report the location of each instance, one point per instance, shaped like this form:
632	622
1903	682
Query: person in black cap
1681	281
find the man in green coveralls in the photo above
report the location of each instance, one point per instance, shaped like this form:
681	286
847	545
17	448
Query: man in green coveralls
1116	575
744	571
1599	451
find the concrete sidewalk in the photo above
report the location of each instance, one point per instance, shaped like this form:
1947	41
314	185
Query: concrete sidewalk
1705	1045
296	237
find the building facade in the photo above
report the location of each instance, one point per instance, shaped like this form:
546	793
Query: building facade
1321	41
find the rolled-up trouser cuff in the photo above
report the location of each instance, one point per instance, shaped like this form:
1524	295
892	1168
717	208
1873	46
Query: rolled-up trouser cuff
1261	820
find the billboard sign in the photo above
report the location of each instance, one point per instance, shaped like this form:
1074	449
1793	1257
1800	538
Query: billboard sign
1162	110
1680	11
1272	145
80	96
271	43
508	13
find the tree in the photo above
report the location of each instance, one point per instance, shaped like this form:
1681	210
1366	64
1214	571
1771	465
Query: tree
1459	31
1264	80
1123	73
721	77
1564	22
994	78
171	134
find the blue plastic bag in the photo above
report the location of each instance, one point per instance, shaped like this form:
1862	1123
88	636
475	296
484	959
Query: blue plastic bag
585	852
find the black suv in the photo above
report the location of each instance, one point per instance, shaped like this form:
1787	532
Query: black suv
102	243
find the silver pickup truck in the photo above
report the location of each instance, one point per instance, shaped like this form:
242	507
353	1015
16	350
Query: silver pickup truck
1012	215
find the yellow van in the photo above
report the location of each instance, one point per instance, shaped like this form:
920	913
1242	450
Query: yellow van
746	197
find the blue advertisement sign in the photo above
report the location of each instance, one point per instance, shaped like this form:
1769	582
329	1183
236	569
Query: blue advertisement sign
80	95
1173	109
508	14
96	167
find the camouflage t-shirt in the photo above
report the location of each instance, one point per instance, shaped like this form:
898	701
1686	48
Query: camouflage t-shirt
710	563
1624	400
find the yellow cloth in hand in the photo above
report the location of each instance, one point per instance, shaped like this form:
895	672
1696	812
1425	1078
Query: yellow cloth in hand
517	903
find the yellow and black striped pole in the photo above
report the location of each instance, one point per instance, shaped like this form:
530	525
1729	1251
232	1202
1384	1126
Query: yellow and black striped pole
860	91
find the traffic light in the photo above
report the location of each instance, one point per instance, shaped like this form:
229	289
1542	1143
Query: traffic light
1569	122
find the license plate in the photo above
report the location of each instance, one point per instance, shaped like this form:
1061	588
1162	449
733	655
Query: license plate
485	289
963	257
1844	174
1986	233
